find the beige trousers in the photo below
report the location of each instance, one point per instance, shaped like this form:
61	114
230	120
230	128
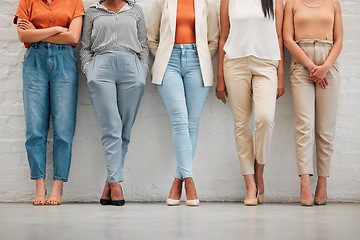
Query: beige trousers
314	109
251	79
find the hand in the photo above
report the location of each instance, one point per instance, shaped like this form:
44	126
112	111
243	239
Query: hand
61	29
25	24
318	73
281	88
221	91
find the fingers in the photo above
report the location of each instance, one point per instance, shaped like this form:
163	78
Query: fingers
326	81
220	94
280	92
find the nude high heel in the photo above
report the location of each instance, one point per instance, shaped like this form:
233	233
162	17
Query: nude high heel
254	201
172	202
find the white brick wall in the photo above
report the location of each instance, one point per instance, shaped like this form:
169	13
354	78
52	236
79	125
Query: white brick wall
150	163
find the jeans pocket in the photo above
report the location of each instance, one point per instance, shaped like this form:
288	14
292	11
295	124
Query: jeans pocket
142	70
70	55
28	53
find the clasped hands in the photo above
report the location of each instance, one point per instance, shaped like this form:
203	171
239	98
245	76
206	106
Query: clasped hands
318	73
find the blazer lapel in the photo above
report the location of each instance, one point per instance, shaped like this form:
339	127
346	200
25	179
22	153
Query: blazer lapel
172	8
199	6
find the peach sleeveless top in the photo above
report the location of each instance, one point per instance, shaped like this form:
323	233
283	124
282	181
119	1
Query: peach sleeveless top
313	22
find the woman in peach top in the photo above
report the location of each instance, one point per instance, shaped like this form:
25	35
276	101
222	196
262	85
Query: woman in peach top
50	30
313	33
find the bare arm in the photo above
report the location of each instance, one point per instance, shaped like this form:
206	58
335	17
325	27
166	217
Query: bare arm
279	17
294	49
28	34
225	28
69	37
321	71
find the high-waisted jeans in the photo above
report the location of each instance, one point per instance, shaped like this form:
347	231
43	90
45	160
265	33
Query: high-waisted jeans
116	80
50	85
183	93
315	109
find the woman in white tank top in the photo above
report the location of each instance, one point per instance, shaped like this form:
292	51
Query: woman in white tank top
250	69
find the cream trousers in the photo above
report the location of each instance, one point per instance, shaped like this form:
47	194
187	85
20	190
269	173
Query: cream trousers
314	109
251	79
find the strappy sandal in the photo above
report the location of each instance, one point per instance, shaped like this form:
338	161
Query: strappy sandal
53	198
41	199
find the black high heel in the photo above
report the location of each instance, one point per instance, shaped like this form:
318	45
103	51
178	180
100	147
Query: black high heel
118	202
105	201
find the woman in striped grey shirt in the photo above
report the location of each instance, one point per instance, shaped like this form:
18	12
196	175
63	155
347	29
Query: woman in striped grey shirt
114	59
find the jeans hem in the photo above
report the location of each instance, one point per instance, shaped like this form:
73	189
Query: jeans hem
60	179
37	177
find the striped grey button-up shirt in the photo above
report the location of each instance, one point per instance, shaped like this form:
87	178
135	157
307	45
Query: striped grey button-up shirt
106	30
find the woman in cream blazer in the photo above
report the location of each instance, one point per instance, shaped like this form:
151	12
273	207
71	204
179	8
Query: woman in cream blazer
183	37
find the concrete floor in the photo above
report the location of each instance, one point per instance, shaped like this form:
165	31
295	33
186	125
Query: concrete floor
219	221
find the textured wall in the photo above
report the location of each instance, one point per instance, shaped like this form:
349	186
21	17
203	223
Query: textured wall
150	164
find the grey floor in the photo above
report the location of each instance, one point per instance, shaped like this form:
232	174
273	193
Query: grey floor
222	221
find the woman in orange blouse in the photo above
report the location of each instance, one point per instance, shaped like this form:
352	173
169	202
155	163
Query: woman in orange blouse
49	29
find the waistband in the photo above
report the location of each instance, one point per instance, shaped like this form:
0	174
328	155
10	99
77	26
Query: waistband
314	41
116	51
50	45
185	46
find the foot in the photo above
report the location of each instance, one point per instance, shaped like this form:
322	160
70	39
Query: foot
106	192
320	193
116	193
40	191
259	180
190	189
176	188
57	191
250	186
306	194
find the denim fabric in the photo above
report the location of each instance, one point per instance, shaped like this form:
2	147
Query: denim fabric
116	80
50	85
184	95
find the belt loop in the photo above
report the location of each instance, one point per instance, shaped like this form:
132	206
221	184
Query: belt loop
35	45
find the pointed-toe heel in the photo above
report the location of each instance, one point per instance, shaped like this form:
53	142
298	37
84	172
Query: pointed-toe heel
320	202
307	203
118	202
105	201
193	203
254	201
172	202
260	198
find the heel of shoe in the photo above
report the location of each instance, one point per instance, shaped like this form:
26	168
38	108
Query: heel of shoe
172	202
193	203
260	198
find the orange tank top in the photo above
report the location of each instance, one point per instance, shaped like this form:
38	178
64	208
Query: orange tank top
185	22
314	21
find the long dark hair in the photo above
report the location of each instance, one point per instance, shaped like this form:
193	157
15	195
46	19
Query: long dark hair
268	8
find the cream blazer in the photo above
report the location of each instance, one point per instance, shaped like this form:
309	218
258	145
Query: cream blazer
161	36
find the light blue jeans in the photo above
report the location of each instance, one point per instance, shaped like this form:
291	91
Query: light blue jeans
184	95
50	85
116	80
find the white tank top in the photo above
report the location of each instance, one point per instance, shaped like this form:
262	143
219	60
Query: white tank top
250	32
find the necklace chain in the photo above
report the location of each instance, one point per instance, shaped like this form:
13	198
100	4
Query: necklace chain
318	3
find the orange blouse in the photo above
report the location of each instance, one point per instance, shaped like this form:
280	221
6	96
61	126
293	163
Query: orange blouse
45	15
185	22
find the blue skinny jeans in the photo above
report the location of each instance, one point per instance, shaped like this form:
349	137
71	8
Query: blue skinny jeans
184	95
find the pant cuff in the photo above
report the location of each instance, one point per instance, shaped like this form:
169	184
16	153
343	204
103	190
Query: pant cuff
60	178
37	177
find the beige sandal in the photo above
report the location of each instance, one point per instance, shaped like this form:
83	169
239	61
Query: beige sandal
53	198
40	199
